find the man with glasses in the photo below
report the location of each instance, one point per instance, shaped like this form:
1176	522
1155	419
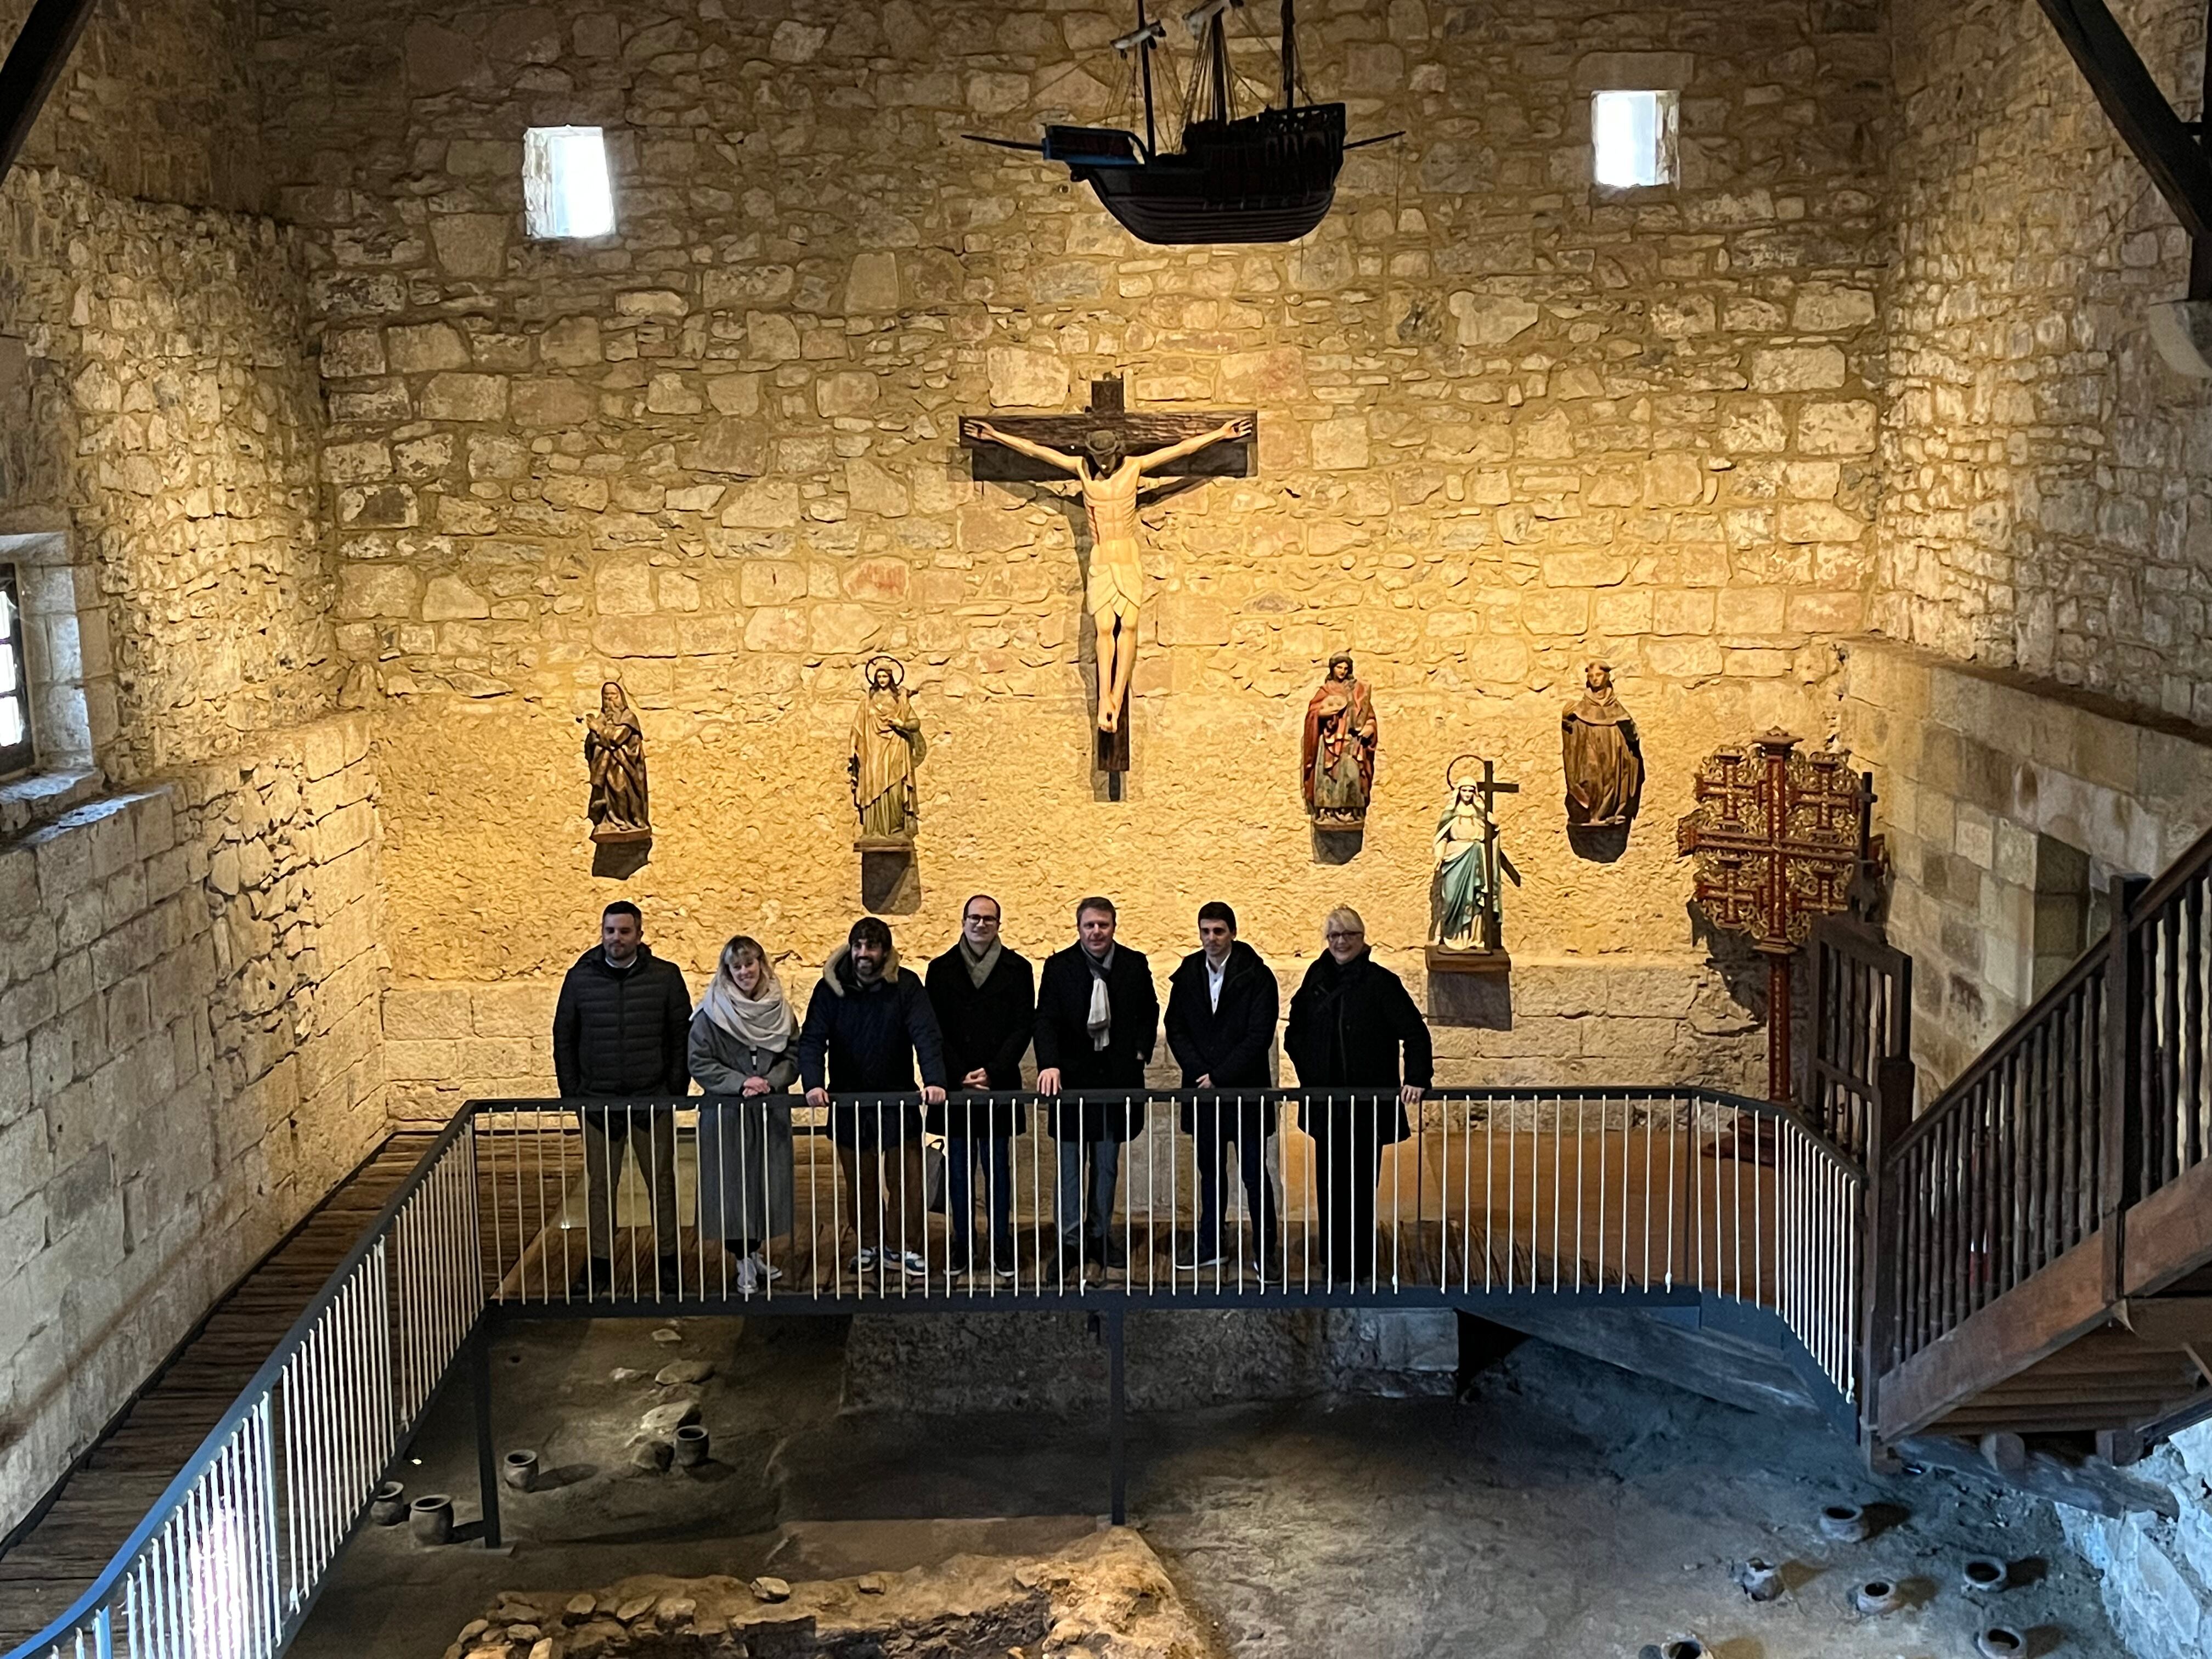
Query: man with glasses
985	996
1350	1022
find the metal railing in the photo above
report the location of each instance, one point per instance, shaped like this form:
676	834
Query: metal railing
1348	1196
227	1562
610	1208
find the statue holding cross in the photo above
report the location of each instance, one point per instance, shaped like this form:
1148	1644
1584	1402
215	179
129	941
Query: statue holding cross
1105	451
1470	873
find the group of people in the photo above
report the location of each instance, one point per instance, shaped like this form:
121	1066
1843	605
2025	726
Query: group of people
893	1055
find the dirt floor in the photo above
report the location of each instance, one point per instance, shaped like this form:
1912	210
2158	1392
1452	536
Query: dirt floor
1563	1508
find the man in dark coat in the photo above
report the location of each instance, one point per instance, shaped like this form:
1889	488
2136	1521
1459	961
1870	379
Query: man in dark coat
1097	1019
1222	1003
1349	1022
868	1024
984	999
621	1031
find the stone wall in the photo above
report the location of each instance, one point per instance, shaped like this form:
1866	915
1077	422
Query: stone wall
169	416
188	1035
1509	422
2044	501
1979	772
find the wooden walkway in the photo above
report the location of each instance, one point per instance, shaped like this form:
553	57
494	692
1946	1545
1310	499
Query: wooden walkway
101	1503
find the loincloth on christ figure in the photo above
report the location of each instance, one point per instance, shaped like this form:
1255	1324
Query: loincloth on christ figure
1114	586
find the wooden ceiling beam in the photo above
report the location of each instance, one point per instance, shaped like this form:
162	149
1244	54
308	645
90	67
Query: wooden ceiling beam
34	67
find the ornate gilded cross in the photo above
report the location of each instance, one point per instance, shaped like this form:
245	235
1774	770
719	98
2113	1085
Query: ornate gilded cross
1779	838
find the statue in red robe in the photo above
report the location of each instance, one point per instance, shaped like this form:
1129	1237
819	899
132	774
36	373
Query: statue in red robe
1338	774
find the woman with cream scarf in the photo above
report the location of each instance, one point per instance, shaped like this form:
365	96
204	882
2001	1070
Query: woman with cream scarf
741	1052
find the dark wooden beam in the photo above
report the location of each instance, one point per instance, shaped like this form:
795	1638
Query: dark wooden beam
33	65
2116	72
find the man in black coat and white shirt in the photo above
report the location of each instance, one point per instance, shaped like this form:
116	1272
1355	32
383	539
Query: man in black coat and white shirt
1222	1003
621	1032
1349	1022
985	996
1098	1018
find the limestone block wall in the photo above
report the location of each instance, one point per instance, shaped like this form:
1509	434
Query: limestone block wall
2044	503
166	422
1508	423
1972	766
188	1035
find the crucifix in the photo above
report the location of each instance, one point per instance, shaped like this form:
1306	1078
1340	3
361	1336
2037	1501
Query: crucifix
1471	869
1111	453
1779	838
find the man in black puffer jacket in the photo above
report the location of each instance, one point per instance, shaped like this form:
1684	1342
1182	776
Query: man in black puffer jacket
869	1026
619	1035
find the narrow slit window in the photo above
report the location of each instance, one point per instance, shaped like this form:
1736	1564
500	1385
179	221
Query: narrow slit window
1634	135
15	752
565	189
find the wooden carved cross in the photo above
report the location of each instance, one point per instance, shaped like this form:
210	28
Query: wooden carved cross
1779	838
1094	449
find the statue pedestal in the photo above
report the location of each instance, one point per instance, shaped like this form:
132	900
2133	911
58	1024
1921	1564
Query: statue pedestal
1442	961
890	885
620	837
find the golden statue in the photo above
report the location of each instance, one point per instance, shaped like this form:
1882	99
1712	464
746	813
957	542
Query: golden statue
614	750
1114	589
887	746
1600	752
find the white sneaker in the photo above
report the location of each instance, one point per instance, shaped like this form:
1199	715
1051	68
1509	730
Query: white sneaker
862	1262
761	1268
748	1278
912	1262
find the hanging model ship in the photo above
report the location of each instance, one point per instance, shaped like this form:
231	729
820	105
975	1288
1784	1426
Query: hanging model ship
1269	177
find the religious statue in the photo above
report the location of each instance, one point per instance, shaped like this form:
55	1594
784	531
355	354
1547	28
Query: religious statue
887	745
1604	760
1339	772
1463	870
614	751
1114	586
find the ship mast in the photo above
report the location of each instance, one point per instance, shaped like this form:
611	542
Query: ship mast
1217	49
1289	54
1141	41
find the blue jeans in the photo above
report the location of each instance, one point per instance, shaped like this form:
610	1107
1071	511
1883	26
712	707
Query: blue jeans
994	1155
1104	1158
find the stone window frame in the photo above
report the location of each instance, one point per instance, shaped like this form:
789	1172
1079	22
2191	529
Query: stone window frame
537	188
1665	72
71	673
21	756
1666	142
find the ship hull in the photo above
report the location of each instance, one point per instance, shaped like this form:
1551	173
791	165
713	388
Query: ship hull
1268	178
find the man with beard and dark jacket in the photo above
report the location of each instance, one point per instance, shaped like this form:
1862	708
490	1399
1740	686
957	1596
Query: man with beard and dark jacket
1098	1018
621	1031
984	999
868	1024
1222	1003
1349	1022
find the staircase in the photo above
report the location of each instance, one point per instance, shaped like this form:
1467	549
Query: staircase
2042	1262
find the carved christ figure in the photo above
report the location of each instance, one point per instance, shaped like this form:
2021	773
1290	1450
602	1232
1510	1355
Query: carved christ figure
614	749
1114	586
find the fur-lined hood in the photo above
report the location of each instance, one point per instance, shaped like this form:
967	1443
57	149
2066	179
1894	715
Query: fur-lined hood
834	971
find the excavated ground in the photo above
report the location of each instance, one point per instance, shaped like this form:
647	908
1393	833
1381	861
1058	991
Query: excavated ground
1562	1508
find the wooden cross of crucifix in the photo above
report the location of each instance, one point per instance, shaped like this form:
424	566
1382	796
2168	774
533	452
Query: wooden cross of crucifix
1780	838
1110	452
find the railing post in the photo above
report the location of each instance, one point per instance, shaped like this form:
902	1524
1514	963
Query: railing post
1883	1233
479	1347
2120	1129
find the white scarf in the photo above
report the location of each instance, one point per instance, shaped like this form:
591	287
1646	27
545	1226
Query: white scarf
764	1022
1099	1020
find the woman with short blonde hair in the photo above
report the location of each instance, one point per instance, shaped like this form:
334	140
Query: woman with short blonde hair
743	1053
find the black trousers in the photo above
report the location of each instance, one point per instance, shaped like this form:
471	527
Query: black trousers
1213	1126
